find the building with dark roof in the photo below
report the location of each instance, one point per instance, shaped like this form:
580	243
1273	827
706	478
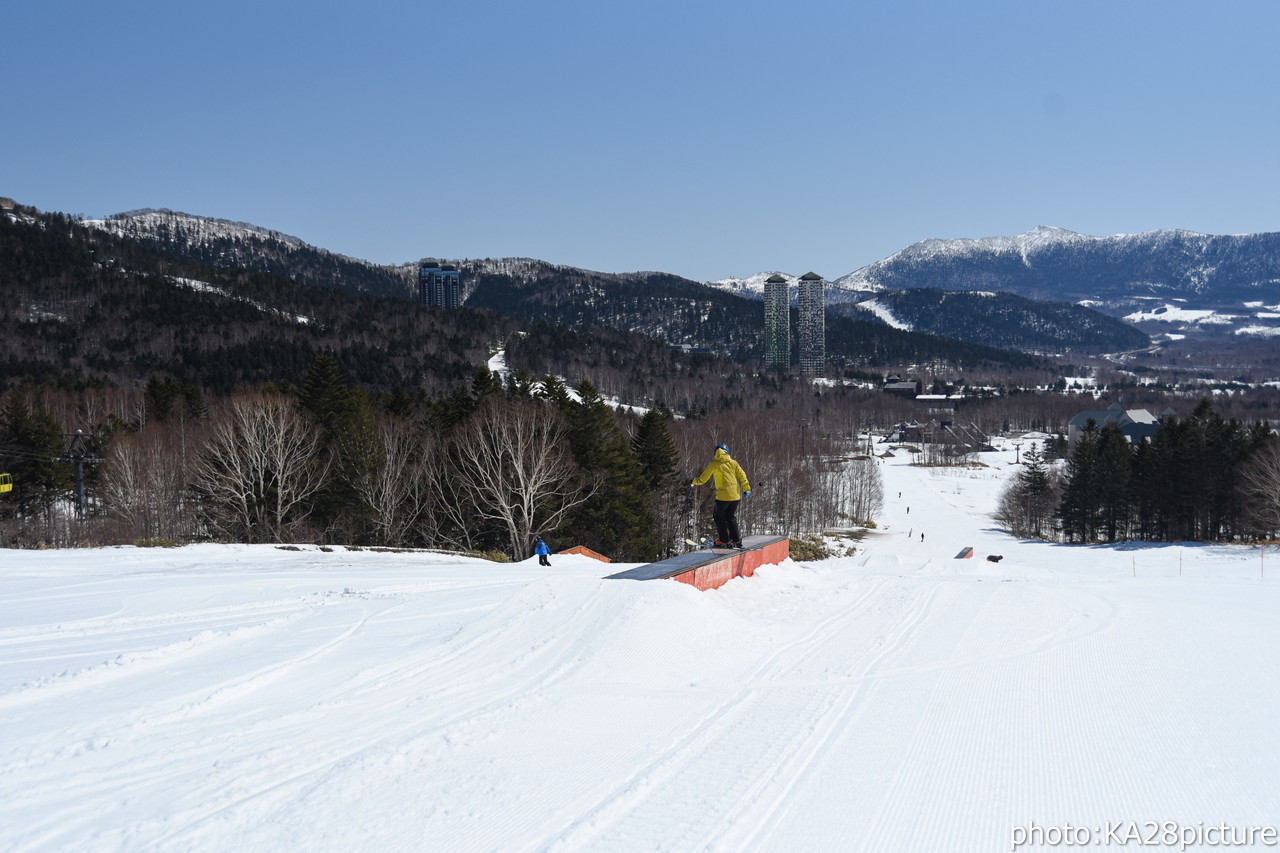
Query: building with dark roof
812	325
777	323
439	285
904	389
1135	424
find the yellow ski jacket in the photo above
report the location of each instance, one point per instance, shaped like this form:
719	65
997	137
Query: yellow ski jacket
731	481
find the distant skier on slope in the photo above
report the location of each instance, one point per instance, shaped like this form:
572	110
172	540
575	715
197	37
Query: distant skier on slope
540	548
731	487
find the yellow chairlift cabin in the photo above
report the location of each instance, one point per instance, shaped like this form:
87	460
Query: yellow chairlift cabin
6	482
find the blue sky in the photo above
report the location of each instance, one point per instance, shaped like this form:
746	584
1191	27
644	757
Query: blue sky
706	139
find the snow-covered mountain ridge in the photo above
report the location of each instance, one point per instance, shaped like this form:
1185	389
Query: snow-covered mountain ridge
1174	255
1130	276
196	229
1024	245
1037	238
225	242
1171	281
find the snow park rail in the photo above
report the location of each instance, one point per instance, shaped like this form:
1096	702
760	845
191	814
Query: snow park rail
713	567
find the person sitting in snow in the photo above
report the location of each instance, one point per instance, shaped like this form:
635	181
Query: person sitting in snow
540	548
731	487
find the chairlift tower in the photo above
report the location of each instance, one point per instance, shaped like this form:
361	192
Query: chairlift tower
77	454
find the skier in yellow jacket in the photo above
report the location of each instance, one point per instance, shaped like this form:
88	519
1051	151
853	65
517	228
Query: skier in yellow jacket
731	487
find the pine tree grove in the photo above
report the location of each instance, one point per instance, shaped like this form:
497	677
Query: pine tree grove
1202	478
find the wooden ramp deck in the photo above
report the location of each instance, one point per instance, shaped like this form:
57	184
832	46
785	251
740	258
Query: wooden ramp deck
713	567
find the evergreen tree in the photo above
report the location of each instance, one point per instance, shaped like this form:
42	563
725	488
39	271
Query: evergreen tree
1186	481
484	383
448	412
398	403
1113	479
520	385
345	417
1037	492
1079	509
160	395
30	439
326	393
658	458
553	391
193	405
655	450
1027	505
617	520
1146	490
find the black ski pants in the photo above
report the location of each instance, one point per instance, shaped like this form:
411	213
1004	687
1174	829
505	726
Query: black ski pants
726	516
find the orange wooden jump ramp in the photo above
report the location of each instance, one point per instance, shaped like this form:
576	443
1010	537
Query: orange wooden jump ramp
713	567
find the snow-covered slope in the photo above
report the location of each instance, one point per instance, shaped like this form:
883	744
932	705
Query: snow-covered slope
884	313
752	287
216	698
220	243
194	229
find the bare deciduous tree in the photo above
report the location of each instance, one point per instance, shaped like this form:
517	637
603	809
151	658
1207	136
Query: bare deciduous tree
863	490
261	464
1260	487
513	465
145	485
397	488
802	478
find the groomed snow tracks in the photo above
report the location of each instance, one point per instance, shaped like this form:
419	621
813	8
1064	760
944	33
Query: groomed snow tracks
714	567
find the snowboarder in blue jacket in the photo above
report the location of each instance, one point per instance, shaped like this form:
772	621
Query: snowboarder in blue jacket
540	548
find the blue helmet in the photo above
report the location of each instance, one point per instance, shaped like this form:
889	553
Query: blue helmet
723	447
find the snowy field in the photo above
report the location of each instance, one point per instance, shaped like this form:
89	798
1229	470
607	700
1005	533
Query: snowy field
246	698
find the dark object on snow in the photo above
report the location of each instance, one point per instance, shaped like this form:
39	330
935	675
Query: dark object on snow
994	558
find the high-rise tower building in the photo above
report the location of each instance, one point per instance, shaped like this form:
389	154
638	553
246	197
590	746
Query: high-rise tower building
812	325
439	285
777	324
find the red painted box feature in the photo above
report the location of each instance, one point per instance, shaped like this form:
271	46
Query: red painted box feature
586	552
712	568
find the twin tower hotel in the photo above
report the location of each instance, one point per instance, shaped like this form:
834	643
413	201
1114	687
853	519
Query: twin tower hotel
811	329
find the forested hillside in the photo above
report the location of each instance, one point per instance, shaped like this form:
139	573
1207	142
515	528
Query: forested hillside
220	244
1008	320
82	305
679	311
85	304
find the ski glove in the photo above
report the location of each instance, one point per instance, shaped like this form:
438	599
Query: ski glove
746	494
